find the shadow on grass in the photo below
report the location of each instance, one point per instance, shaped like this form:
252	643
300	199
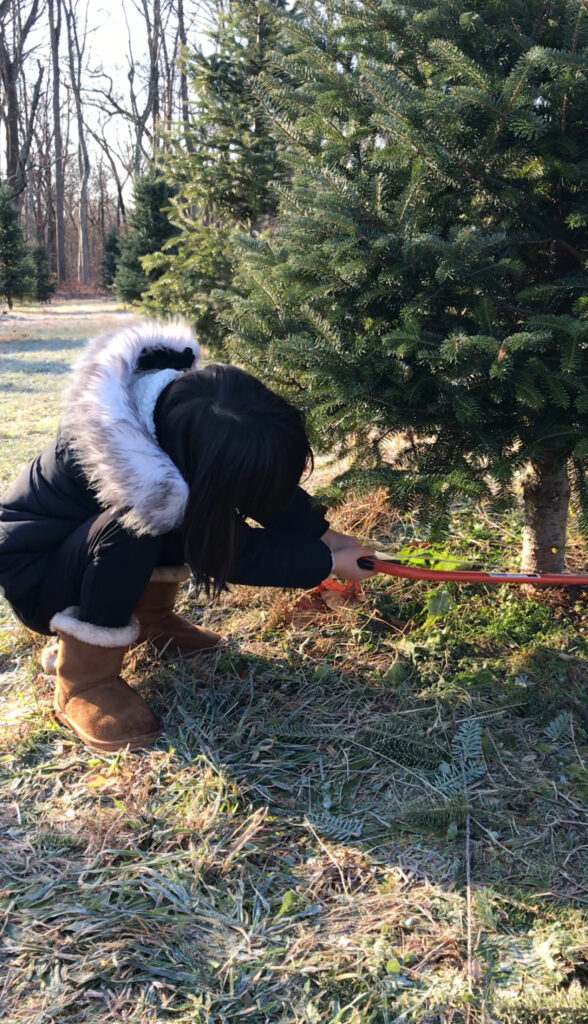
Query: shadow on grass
41	344
28	366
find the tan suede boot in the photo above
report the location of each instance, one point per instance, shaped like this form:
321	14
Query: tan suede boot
90	696
162	626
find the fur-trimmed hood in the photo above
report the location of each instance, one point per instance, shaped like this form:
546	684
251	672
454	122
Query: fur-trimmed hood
107	421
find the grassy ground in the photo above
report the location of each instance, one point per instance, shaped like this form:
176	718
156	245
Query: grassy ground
376	817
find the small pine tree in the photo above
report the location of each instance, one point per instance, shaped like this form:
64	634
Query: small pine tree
149	228
232	154
194	280
110	259
43	283
428	276
16	271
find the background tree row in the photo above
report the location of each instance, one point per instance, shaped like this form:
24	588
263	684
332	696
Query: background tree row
74	135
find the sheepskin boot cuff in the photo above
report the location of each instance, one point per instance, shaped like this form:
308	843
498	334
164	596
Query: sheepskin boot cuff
171	574
69	622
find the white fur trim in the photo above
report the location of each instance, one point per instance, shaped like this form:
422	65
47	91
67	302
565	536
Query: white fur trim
49	658
170	574
118	454
146	389
68	622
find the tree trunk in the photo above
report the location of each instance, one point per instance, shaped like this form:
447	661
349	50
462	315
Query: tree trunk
76	53
23	156
83	244
546	495
107	151
184	78
9	76
13	37
154	48
54	33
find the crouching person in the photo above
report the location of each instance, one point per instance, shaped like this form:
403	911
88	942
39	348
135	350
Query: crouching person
157	463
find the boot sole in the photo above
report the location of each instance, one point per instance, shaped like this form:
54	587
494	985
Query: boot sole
103	746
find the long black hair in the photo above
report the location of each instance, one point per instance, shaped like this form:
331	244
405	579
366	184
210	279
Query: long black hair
242	450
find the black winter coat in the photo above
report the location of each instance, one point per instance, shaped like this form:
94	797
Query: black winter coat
106	457
38	511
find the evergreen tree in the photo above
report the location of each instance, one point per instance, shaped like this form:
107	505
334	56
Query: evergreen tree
428	276
221	168
233	155
149	228
43	282
194	279
110	258
15	257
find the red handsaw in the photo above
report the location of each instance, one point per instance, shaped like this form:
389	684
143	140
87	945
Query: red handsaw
392	567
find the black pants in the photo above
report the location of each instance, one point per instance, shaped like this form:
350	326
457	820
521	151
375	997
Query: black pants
103	569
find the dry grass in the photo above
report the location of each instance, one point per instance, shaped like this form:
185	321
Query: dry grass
344	823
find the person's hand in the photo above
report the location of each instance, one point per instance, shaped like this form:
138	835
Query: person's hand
337	541
345	562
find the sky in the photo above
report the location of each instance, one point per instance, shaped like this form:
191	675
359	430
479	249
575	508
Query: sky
110	35
111	26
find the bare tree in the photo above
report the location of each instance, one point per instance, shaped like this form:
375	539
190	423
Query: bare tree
142	104
39	204
76	43
55	12
14	32
157	87
174	50
119	181
183	41
154	40
169	62
121	120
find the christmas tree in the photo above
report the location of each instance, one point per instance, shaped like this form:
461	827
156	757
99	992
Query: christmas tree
221	166
149	228
16	266
43	281
427	280
110	258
